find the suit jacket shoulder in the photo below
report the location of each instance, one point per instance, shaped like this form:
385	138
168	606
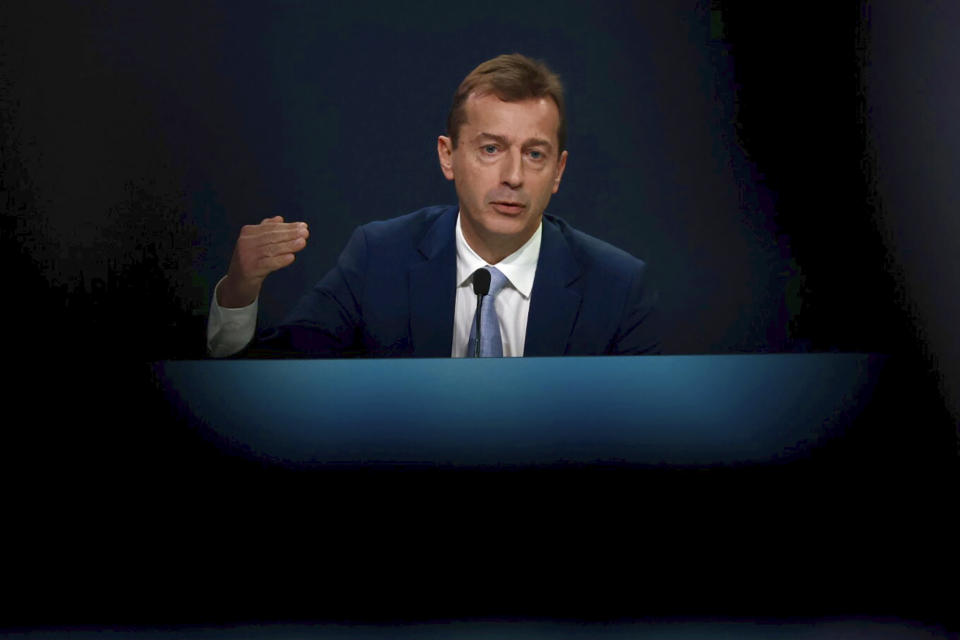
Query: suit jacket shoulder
406	232
593	252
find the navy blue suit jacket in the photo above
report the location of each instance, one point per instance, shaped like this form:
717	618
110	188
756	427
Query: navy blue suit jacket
393	290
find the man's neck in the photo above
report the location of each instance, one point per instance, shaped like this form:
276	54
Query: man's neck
495	248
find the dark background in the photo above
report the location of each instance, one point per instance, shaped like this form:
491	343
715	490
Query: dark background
729	148
788	174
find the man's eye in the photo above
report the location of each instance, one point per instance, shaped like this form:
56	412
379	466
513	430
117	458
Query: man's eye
490	148
536	155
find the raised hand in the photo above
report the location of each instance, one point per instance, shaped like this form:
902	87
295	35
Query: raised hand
261	249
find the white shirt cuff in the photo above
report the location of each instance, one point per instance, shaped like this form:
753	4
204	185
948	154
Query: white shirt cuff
229	330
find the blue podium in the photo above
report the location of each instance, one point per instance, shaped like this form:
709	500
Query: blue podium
674	411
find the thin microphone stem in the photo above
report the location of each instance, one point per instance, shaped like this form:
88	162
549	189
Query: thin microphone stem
476	352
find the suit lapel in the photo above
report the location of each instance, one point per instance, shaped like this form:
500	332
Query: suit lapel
553	302
433	288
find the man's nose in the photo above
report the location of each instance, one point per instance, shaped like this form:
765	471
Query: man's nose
512	171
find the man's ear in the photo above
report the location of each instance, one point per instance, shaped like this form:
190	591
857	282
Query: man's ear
445	153
561	165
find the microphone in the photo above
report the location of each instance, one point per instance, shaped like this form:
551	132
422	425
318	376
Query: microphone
481	287
481	282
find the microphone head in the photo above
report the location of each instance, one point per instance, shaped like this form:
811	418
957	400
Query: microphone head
481	282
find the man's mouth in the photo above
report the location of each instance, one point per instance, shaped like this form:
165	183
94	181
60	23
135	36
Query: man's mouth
505	206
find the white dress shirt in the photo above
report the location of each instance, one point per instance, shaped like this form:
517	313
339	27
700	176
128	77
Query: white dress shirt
230	330
512	303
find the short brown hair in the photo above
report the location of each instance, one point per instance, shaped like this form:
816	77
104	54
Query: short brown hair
510	77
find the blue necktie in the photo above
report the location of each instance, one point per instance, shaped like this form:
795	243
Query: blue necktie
490	344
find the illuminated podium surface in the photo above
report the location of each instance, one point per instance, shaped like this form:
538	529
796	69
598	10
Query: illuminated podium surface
766	485
645	411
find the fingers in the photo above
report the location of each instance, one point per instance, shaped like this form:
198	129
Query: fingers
265	247
261	242
273	239
272	263
267	228
289	246
280	254
274	232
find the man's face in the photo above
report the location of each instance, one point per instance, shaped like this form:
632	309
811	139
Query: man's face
506	166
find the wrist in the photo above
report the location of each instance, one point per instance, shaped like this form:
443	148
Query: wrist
234	293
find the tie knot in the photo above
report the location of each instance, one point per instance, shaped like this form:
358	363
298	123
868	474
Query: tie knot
497	281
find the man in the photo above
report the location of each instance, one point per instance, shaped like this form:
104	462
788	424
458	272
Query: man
406	287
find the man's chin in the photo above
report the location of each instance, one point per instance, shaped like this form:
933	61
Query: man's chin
508	227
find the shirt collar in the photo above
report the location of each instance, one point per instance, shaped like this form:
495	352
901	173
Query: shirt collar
519	267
